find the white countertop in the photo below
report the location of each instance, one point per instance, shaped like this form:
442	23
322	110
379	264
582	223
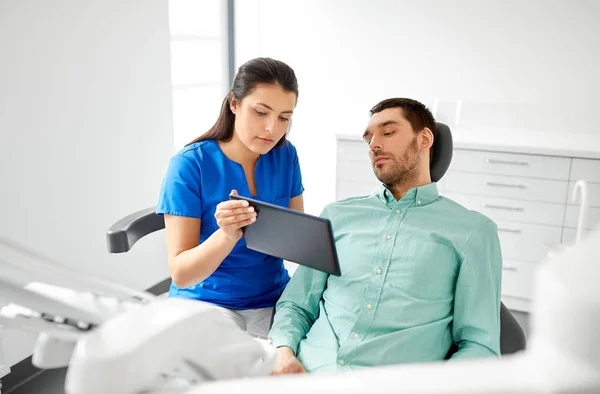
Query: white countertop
582	145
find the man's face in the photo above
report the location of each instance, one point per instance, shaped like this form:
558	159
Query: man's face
394	147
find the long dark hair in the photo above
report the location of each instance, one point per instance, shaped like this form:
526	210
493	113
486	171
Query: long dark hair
251	73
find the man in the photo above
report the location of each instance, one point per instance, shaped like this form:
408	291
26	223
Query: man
420	273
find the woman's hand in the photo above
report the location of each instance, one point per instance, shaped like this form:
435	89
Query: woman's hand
232	215
287	363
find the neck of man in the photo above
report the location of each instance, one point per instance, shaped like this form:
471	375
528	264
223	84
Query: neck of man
400	189
235	150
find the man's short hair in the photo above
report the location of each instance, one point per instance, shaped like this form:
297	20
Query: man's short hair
417	114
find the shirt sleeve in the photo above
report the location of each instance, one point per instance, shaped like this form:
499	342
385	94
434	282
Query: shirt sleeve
298	307
476	326
180	190
297	186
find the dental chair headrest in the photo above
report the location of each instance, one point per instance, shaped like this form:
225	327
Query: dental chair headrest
442	152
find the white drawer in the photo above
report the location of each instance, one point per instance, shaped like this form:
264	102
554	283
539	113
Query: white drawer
527	242
569	235
592	221
356	171
512	187
593	194
346	189
352	150
517	278
501	163
586	169
502	209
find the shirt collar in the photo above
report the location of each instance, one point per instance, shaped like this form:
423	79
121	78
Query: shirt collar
417	196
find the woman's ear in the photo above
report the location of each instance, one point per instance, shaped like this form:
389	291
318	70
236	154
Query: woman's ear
426	138
234	104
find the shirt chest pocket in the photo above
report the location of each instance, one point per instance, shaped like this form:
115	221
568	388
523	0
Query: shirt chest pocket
423	269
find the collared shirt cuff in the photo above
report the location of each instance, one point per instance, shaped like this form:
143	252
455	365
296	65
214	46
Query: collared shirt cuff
285	340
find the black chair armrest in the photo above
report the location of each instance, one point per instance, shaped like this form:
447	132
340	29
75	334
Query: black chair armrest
122	235
512	334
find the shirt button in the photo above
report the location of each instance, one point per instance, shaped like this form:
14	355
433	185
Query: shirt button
342	362
378	270
397	211
419	202
388	237
369	306
355	335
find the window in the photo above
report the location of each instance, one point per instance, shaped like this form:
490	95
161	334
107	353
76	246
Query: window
199	64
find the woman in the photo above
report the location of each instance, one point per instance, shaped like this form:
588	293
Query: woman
245	151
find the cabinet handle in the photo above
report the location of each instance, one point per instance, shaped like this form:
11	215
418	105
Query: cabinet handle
509	268
491	206
511	162
511	185
509	230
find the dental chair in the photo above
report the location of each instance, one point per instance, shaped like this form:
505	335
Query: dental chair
123	234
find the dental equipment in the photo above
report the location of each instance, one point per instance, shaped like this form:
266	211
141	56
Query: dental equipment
116	340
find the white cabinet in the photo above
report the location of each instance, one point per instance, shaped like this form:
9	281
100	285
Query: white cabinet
527	195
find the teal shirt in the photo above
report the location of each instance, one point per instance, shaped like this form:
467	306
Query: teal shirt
418	275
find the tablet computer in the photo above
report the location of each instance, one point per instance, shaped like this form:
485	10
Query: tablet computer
291	235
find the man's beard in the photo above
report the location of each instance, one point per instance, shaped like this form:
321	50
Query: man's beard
400	171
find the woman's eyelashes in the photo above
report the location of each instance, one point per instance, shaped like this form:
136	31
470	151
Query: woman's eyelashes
282	118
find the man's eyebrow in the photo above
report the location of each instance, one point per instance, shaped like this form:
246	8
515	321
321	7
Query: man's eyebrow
380	125
268	107
386	123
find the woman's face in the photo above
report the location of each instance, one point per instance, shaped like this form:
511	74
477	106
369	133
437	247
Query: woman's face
262	118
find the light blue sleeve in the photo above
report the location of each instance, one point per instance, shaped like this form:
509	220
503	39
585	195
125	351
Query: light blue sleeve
476	325
297	186
180	192
298	307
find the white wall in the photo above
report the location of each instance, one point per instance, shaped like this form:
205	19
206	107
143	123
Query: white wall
86	132
525	71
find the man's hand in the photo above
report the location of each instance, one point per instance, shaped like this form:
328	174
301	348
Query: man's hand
287	363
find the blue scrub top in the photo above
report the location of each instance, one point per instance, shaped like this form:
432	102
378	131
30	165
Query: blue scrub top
198	178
